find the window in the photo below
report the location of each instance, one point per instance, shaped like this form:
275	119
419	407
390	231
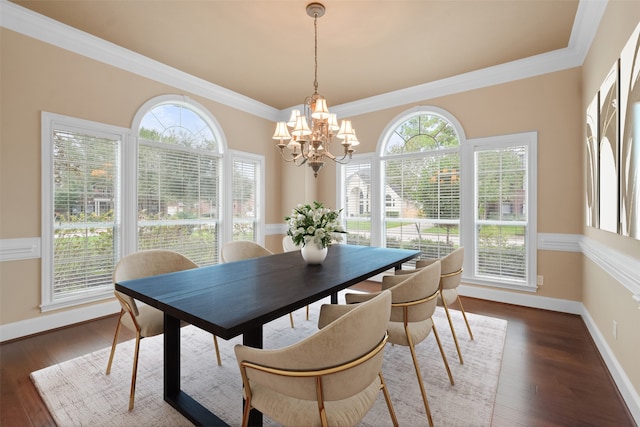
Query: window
504	231
357	200
179	165
109	191
247	195
421	179
81	209
431	189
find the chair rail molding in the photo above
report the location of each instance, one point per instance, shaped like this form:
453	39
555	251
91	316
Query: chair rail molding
19	249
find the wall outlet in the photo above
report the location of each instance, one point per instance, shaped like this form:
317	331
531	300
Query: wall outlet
615	330
540	280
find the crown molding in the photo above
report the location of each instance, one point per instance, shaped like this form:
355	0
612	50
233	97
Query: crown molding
47	30
29	23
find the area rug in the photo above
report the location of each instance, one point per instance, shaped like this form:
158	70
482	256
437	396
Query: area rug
78	393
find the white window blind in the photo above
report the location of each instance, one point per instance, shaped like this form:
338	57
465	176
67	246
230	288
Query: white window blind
85	211
501	213
357	202
178	202
246	178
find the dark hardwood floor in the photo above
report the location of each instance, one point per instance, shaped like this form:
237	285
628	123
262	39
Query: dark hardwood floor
552	374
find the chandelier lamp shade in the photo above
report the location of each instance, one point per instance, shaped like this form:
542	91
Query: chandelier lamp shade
314	129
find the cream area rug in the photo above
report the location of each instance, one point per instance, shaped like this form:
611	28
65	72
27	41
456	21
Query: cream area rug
78	393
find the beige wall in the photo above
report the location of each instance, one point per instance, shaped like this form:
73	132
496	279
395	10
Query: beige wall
605	298
549	104
38	77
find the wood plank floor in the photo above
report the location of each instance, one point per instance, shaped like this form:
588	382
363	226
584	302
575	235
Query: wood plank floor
552	374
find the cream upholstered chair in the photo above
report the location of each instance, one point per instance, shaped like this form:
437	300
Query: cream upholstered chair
145	320
288	245
237	250
449	281
331	378
414	300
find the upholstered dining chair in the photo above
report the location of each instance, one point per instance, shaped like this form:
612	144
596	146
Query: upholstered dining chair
331	378
414	300
145	320
449	280
237	250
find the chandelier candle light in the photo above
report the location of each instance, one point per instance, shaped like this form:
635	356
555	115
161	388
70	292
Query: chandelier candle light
311	144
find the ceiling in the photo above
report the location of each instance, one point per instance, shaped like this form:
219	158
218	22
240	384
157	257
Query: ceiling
264	49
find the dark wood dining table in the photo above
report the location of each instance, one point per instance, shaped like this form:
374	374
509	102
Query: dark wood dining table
240	297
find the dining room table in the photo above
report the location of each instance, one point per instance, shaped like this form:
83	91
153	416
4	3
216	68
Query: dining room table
238	298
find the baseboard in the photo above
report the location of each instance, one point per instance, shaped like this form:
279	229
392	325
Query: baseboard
61	319
626	388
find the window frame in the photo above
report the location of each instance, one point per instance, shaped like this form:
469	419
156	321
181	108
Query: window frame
49	122
468	223
530	141
126	216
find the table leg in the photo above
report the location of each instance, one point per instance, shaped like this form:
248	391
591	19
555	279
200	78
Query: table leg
253	338
171	356
185	404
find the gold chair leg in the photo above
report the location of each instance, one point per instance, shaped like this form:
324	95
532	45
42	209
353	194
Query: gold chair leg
245	413
383	386
465	317
444	357
134	373
291	319
215	343
307	312
419	375
115	342
453	331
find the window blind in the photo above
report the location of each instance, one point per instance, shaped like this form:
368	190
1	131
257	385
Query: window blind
244	196
84	181
357	203
178	201
501	212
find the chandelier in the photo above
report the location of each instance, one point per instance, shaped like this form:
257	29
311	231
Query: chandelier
314	129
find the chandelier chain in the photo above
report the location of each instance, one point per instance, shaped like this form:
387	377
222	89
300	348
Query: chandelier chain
315	55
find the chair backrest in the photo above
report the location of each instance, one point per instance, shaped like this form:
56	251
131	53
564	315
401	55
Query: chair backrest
237	250
419	286
452	269
288	245
357	333
148	263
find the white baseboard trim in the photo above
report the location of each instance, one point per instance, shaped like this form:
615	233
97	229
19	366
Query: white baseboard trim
527	300
47	322
627	390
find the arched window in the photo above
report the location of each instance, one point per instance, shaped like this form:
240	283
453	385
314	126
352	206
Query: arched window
179	176
420	160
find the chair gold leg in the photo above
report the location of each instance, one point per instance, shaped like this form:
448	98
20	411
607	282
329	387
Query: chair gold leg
134	373
307	312
215	344
465	317
115	342
383	386
444	357
245	413
419	375
453	331
291	320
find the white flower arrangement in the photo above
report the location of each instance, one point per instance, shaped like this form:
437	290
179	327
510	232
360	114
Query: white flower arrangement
314	224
